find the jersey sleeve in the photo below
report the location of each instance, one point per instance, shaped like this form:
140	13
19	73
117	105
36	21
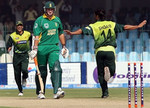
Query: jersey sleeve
119	28
60	29
87	30
9	43
37	27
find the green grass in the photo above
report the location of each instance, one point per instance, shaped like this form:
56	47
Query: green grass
5	107
114	93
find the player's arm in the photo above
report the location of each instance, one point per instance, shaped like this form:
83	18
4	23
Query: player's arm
36	42
132	27
77	32
64	51
84	30
9	44
33	53
62	39
37	31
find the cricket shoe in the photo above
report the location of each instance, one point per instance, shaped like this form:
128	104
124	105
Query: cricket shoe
20	94
24	82
104	96
41	96
106	73
59	94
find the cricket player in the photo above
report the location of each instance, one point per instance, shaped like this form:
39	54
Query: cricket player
104	33
48	31
21	40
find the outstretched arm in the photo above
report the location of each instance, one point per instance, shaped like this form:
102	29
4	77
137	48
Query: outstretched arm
132	27
62	40
77	32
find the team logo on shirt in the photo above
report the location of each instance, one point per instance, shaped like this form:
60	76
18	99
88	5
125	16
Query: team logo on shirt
17	38
36	25
46	25
56	24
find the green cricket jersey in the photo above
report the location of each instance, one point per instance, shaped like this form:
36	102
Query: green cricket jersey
104	33
48	30
21	42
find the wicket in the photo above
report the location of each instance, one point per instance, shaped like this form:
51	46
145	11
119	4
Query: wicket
135	86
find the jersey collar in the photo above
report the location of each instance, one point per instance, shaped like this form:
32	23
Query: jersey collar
53	17
19	33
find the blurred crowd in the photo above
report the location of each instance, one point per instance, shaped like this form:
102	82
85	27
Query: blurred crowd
71	14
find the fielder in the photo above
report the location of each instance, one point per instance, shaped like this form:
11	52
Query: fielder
21	40
104	33
48	31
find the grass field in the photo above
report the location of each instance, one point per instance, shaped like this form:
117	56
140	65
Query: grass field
75	98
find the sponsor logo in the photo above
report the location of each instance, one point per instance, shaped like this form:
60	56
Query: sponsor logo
22	42
30	69
120	76
51	32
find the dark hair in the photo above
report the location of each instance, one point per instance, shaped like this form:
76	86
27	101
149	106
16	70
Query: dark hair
100	13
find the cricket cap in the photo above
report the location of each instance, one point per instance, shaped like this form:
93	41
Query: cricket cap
19	23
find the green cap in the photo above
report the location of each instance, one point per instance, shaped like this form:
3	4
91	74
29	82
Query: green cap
49	4
19	23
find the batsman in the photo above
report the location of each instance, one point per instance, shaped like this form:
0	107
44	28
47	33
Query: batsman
48	31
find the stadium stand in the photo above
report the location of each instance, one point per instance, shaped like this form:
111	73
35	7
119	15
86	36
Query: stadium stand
121	57
91	46
133	34
63	59
87	56
70	46
75	57
81	46
133	56
145	56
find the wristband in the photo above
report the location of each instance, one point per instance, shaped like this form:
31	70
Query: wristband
35	47
63	46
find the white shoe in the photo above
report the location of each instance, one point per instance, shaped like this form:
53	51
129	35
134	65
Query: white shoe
111	79
20	94
41	96
106	73
59	94
24	82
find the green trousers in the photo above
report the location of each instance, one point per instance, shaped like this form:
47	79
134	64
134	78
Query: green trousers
48	54
20	64
105	58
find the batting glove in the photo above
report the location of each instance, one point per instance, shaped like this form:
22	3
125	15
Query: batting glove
65	52
33	54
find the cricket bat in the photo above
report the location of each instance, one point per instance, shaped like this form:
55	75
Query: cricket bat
39	75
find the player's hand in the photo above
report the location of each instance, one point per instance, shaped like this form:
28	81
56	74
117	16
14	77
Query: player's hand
68	32
142	23
65	52
9	49
33	54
